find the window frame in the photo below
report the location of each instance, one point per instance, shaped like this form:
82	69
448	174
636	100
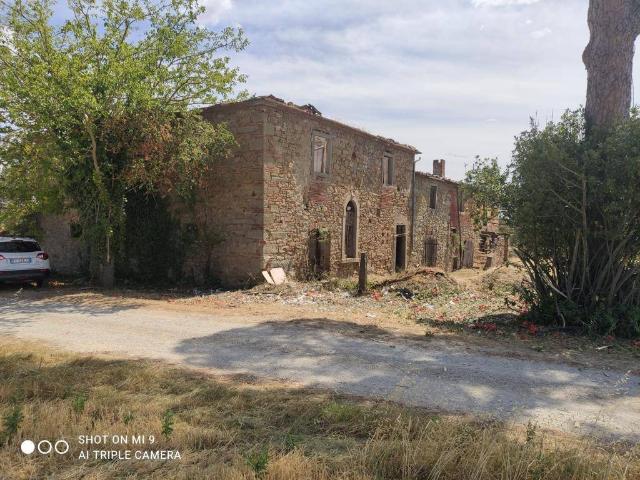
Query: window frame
433	197
328	153
388	174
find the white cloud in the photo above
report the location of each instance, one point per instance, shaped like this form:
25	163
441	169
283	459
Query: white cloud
501	3
449	78
215	10
543	32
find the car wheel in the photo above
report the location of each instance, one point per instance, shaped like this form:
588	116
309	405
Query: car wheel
41	283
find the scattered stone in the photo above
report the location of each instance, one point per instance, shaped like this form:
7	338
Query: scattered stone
278	275
267	277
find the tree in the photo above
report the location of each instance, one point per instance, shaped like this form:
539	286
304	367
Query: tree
614	26
111	96
485	186
575	209
573	196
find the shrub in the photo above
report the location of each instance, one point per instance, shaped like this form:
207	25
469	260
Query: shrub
574	204
167	423
11	422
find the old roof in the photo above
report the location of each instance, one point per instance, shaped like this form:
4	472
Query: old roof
313	111
431	176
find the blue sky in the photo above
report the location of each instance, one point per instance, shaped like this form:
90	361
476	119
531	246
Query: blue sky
454	78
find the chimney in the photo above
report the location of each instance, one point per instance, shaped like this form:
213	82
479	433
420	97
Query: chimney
438	168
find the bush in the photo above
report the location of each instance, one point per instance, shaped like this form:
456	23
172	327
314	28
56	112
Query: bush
574	204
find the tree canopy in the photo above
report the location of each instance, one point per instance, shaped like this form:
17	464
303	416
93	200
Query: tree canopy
485	186
106	103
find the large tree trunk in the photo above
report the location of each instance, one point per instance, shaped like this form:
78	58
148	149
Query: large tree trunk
614	26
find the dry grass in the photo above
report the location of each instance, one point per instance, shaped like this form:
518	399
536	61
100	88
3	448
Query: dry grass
236	430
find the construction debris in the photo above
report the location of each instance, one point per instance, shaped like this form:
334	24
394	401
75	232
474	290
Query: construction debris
267	277
278	276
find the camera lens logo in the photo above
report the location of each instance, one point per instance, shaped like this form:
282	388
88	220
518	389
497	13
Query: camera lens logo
27	447
45	447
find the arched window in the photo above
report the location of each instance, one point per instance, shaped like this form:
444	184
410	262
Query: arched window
350	229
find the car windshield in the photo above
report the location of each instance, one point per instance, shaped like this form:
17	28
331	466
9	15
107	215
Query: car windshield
19	246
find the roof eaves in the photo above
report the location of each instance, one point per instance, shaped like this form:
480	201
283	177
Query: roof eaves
437	178
278	102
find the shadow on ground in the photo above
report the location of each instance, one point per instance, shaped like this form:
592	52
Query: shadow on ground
18	303
319	353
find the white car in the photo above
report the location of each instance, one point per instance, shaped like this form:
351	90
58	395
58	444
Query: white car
22	260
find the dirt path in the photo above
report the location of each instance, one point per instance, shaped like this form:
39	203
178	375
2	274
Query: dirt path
314	352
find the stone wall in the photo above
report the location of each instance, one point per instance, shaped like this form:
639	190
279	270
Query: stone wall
60	239
491	245
259	208
226	221
298	202
453	230
439	223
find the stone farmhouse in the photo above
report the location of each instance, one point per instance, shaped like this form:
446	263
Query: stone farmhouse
310	194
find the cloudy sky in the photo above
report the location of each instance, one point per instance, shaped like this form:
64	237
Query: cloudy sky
454	78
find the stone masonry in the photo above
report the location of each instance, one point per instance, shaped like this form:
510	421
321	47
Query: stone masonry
436	223
446	227
271	205
264	206
299	202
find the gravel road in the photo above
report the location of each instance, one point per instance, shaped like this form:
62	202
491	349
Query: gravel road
313	353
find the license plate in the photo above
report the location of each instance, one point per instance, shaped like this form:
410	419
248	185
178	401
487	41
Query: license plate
20	260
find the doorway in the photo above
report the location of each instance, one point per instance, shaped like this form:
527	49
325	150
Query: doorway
401	248
467	257
319	252
430	252
351	230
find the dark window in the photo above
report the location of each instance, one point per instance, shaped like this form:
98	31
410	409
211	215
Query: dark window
488	242
350	230
484	243
433	196
430	252
19	246
401	247
387	169
75	229
320	154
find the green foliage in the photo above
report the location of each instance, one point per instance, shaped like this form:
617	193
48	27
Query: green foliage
78	403
103	104
11	422
484	188
128	418
337	412
323	234
150	233
291	441
29	184
575	206
259	461
168	421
